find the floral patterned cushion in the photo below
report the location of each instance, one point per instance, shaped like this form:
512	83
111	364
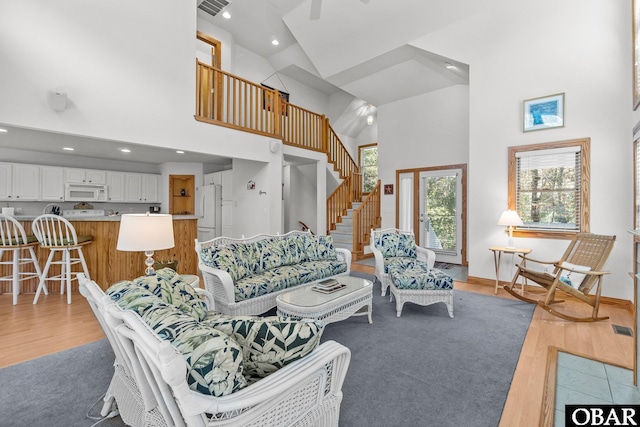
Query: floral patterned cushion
326	250
214	359
284	277
268	343
419	276
165	284
222	258
396	244
398	262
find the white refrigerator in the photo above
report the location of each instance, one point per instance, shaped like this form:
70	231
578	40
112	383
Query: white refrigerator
209	217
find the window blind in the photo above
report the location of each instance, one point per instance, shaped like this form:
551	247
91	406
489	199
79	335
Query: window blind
548	193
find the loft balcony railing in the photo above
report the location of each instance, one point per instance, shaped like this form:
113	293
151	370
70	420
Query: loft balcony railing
227	100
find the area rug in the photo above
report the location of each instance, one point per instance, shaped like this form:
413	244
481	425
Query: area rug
422	369
426	369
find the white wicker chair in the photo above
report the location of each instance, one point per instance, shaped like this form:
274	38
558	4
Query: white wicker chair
220	283
129	392
425	259
423	254
307	392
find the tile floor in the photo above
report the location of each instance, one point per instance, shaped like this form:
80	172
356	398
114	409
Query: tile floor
586	381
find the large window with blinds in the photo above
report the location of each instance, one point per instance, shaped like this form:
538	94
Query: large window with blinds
549	187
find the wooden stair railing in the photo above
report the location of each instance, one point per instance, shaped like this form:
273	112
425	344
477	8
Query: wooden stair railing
342	198
366	217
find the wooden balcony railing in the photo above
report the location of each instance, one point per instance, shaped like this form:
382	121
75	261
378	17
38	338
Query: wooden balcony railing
366	217
227	100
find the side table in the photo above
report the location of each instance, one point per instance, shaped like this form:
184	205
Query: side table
497	254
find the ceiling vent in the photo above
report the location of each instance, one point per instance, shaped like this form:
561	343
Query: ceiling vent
213	7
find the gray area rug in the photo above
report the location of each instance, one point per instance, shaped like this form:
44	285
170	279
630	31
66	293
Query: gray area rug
422	369
426	369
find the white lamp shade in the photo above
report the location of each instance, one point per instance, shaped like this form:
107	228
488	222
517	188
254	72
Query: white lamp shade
510	218
145	232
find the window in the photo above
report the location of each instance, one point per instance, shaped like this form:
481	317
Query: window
368	156
549	187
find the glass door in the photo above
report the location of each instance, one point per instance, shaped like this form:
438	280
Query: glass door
441	214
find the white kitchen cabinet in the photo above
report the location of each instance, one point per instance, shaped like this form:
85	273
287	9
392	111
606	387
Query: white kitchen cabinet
116	184
26	182
51	184
151	188
227	185
213	178
6	180
85	176
142	188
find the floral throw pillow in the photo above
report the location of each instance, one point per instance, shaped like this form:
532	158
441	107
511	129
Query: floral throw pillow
268	343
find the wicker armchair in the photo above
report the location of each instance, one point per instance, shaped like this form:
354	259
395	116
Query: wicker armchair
378	238
408	270
306	392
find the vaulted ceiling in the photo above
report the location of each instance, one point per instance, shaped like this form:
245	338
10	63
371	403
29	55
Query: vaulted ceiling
370	49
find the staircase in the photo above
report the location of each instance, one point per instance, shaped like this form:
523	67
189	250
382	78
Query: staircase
343	234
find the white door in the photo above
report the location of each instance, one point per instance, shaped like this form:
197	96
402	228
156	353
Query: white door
441	214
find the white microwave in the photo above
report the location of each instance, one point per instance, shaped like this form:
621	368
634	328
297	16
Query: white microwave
86	193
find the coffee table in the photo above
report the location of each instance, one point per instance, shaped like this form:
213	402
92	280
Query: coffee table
355	299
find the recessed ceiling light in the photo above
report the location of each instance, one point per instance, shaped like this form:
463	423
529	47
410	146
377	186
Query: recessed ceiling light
3	130
125	150
275	42
179	151
68	148
226	15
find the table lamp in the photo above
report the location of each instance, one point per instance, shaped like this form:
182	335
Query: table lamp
510	219
145	232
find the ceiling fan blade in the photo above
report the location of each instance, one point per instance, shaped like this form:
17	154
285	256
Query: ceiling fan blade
315	9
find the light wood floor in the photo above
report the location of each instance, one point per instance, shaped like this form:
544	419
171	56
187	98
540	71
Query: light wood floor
29	331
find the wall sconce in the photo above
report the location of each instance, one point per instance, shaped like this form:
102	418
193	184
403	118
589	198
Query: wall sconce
510	219
369	120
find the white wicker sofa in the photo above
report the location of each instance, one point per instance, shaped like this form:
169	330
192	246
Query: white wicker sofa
246	275
180	364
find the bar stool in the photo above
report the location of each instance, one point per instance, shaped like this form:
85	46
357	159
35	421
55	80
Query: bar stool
13	238
58	235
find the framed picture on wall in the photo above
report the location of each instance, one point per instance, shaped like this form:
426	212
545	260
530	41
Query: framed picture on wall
543	113
636	53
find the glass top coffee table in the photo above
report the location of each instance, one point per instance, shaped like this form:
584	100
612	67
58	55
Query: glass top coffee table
355	299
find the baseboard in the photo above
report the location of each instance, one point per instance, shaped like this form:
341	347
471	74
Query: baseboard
622	303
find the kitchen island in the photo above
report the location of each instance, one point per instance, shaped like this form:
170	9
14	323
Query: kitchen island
108	265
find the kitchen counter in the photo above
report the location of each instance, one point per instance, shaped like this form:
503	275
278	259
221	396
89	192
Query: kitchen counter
108	265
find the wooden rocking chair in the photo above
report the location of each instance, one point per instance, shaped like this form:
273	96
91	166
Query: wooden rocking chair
575	273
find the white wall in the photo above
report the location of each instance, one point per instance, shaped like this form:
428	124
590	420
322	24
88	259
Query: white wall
133	82
423	131
301	181
584	50
253	212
